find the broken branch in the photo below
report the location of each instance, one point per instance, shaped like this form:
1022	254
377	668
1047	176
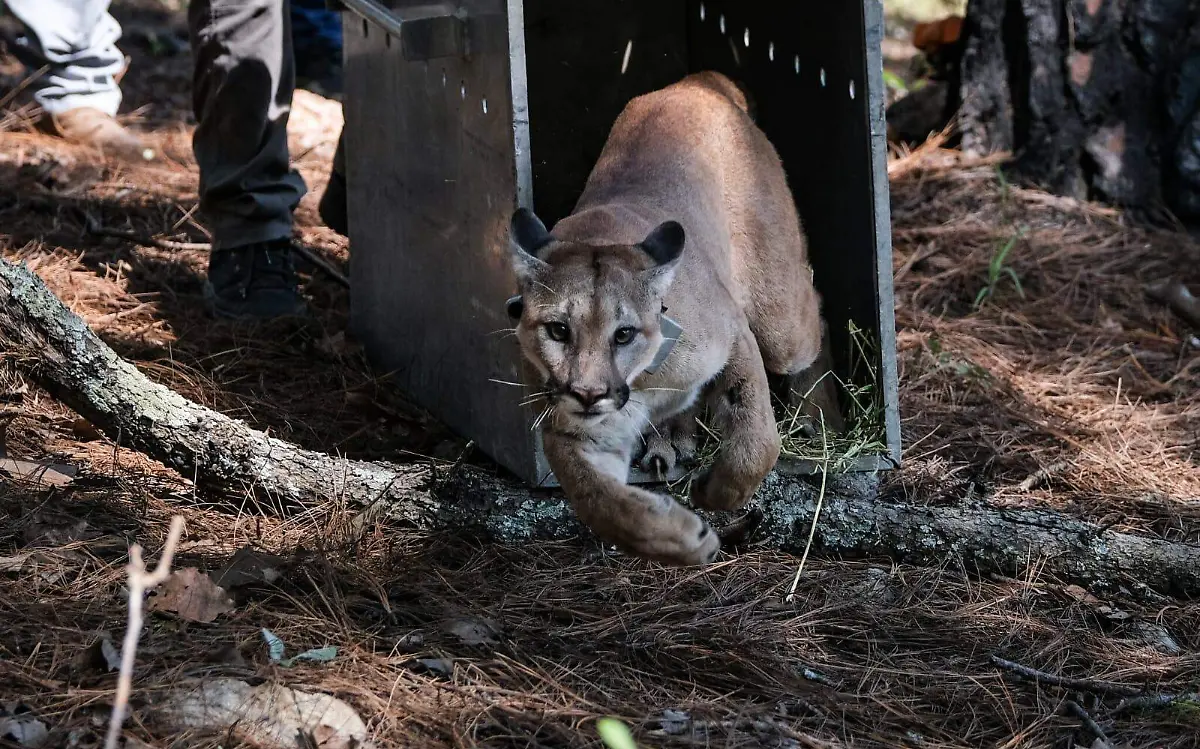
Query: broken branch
140	581
1075	709
1087	685
1155	701
224	454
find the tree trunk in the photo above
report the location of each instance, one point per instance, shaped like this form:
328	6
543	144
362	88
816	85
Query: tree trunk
67	359
1095	98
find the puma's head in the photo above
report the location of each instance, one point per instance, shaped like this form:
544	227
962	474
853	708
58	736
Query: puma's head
588	316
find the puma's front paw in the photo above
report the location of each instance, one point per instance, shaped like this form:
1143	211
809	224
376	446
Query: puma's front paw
677	536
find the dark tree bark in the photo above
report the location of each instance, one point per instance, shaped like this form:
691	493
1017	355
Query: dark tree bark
65	357
1095	98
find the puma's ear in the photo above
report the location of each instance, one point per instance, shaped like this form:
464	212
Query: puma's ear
528	231
527	234
515	307
665	243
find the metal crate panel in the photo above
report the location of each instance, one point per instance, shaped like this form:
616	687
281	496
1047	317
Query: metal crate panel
434	172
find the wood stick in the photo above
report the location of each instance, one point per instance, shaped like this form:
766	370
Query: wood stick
1087	685
140	581
81	371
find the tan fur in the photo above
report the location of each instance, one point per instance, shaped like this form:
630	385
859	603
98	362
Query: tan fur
741	289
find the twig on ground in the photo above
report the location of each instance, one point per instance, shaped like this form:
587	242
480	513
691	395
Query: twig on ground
168	244
1077	710
812	530
1035	479
1089	685
1155	701
16	91
1176	296
140	580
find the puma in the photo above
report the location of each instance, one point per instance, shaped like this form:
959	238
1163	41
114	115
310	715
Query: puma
686	218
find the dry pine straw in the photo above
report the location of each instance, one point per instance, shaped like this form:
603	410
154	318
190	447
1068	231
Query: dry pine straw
989	398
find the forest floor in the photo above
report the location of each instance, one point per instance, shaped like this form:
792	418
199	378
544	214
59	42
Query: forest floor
1067	388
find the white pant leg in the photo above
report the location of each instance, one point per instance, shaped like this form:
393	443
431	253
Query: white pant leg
76	40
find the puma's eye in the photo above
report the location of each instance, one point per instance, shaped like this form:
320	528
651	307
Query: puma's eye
558	331
624	336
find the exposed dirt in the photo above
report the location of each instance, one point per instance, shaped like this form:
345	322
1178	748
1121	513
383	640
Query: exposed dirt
1071	390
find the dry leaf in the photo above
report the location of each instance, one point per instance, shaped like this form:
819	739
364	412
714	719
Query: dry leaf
1081	595
47	474
1108	611
26	732
57	530
249	566
16	562
193	596
100	656
52	558
20	727
269	715
1156	636
439	666
473	631
85	431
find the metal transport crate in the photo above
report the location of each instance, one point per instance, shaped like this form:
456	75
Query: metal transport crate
458	112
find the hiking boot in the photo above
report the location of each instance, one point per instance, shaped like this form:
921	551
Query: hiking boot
255	281
91	127
332	207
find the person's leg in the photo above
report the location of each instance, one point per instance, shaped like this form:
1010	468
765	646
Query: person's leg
244	75
75	41
317	42
332	207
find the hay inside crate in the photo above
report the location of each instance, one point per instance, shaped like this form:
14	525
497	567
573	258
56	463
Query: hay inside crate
497	105
808	443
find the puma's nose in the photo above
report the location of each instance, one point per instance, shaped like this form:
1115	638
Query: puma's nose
589	396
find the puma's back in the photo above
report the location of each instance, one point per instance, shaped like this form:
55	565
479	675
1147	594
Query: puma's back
691	153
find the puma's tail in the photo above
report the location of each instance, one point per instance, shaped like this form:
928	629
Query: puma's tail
735	91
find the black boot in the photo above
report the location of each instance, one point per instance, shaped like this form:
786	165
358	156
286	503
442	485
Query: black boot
255	281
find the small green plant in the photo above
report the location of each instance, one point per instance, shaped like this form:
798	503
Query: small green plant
277	650
615	734
1005	185
998	270
894	82
964	368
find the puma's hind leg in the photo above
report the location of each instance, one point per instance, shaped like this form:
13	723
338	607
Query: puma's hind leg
740	401
781	302
786	320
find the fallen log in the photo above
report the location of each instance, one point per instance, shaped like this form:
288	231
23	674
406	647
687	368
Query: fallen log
65	357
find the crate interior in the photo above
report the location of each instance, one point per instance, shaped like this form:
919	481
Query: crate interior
805	66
